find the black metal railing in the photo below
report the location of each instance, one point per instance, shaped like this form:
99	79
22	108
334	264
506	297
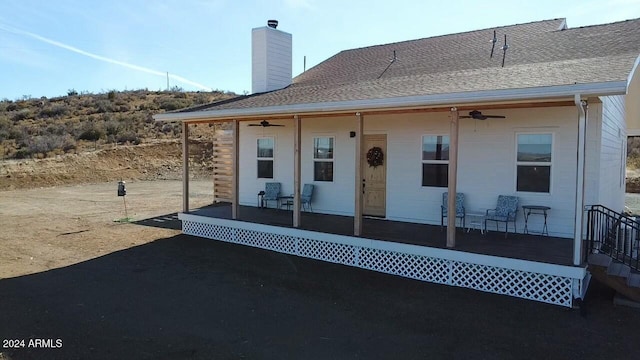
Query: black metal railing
614	234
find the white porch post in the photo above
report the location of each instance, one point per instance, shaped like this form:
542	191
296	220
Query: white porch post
357	214
185	167
296	170
453	175
579	211
236	167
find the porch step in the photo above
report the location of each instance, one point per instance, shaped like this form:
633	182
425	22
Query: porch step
618	269
600	260
633	280
615	282
622	300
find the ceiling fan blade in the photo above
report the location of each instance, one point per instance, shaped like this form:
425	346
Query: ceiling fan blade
263	123
274	125
495	116
465	117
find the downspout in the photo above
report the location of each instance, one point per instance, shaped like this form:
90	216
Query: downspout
580	173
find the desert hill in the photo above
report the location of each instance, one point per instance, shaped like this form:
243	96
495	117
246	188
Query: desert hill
86	138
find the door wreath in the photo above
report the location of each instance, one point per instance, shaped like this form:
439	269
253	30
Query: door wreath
375	157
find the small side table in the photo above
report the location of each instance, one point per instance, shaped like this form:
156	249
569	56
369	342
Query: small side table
475	220
286	201
535	210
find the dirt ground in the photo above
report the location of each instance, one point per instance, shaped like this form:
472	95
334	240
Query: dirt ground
47	228
107	290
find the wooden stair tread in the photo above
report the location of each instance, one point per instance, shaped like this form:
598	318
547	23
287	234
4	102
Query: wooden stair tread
617	283
600	260
618	269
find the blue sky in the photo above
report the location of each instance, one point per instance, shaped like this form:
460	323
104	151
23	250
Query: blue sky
49	47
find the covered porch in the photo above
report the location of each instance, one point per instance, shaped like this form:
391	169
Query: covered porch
525	266
545	269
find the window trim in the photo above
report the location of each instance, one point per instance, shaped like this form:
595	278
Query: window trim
422	161
550	164
272	158
332	160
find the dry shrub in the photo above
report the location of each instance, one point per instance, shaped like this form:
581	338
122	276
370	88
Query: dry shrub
41	127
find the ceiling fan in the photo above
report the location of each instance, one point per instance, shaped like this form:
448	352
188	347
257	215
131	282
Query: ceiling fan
475	114
264	123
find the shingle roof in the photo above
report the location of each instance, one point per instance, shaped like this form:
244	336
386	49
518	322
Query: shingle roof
540	54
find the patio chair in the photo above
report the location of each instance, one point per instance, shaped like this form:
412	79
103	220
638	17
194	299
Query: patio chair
460	211
305	197
271	193
505	211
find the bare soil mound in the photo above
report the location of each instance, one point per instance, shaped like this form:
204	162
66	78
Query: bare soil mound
633	185
153	161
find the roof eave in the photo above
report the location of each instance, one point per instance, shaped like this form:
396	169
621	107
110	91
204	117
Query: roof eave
633	72
453	99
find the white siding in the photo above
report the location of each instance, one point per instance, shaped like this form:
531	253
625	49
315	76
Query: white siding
334	197
612	153
487	163
249	183
632	105
271	52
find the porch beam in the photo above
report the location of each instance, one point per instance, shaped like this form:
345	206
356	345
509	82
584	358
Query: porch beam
580	174
453	174
473	107
296	170
359	139
396	111
185	167
235	156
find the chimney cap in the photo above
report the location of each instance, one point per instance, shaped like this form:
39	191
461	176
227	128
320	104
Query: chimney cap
272	23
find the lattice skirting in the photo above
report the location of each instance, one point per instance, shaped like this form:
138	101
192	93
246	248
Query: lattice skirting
553	284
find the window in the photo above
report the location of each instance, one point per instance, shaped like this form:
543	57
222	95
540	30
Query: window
435	160
265	158
323	159
534	163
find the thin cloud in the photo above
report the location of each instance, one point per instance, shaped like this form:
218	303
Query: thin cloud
300	4
103	58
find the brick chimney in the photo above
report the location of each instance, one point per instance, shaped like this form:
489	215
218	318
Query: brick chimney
270	58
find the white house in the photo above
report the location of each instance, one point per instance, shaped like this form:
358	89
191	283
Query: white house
562	99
